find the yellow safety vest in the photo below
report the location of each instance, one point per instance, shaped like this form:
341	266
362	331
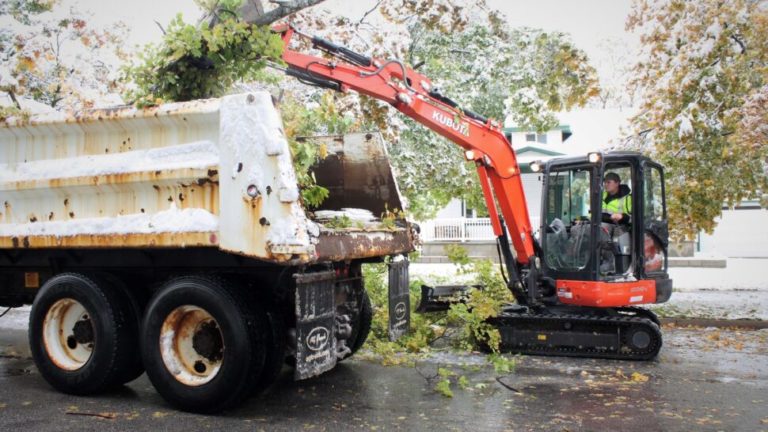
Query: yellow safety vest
618	205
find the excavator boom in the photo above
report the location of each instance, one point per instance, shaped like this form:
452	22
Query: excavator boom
413	94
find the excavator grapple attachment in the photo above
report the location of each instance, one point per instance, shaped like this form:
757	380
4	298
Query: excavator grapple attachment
440	298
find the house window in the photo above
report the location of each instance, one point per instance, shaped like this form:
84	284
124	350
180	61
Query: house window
531	137
467	212
536	137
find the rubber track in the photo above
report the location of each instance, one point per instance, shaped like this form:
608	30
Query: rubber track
552	323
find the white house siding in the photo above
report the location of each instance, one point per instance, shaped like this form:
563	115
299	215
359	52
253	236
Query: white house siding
452	210
739	233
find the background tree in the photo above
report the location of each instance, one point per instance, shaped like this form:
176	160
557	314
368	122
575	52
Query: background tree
51	54
702	78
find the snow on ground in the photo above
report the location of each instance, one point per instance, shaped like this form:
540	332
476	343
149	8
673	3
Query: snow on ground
733	304
15	319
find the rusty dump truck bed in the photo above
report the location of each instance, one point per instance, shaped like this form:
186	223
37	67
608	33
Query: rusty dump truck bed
214	173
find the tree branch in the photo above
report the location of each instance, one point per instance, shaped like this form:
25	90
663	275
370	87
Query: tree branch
284	8
12	95
741	44
365	15
160	26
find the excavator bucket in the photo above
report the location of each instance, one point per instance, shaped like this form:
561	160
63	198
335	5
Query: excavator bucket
357	173
362	216
440	298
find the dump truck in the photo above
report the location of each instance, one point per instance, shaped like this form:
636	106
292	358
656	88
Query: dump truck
174	240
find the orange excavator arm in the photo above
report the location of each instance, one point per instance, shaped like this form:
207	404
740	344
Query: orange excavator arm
412	94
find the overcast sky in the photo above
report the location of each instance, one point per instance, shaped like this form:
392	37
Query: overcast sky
589	22
592	24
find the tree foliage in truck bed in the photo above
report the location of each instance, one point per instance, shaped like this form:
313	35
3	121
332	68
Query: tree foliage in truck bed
197	62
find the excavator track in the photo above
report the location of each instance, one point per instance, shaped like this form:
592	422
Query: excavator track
618	337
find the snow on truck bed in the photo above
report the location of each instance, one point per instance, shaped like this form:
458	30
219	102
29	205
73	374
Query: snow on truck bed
213	173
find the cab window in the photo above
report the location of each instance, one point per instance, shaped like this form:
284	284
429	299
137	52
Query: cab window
567	237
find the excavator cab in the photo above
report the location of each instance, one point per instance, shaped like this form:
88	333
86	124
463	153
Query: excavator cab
587	238
598	260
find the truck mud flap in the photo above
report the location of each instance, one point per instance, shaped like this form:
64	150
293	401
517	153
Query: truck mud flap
399	298
315	321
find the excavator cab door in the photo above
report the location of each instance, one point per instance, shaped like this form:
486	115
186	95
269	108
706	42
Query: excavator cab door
593	231
655	225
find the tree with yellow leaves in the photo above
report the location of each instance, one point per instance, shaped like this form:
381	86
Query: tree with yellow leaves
702	75
52	54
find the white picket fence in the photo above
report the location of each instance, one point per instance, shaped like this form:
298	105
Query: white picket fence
457	229
460	229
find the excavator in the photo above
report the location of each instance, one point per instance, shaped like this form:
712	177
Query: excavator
579	283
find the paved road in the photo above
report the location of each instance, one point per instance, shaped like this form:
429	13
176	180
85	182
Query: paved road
721	387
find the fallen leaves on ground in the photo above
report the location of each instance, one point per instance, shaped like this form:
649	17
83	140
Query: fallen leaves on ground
732	339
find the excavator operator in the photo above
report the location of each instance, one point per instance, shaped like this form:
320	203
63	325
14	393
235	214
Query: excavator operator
617	202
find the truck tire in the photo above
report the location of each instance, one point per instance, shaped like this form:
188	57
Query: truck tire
135	300
275	354
362	327
81	334
187	325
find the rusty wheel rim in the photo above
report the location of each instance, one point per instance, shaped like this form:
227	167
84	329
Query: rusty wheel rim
191	345
68	334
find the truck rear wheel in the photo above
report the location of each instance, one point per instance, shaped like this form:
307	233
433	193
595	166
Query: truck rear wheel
82	334
203	344
276	350
135	299
362	326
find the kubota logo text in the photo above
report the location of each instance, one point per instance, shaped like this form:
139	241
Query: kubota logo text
452	123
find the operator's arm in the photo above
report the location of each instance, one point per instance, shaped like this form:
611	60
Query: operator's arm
617	218
620	217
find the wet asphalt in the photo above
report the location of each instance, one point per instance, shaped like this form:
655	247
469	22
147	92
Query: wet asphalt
704	380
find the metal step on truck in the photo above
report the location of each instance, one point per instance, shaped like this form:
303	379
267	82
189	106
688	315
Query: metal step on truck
173	240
